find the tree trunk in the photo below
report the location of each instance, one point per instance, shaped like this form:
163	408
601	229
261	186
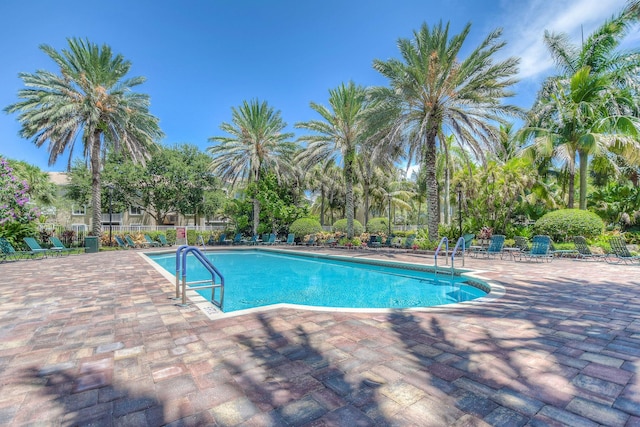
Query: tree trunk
322	206
256	216
96	188
429	161
348	175
584	163
365	189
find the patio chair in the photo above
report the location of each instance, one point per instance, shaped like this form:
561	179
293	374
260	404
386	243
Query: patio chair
560	253
163	240
132	243
408	243
311	241
496	243
237	239
540	249
9	252
35	247
59	247
253	241
619	252
584	252
271	240
150	241
121	242
291	239
374	242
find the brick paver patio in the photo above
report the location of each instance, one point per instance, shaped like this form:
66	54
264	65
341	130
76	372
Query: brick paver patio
93	339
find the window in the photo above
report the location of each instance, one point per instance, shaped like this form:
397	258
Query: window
78	210
135	210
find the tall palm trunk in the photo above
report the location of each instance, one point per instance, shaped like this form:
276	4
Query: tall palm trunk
256	216
348	175
322	206
572	182
429	160
96	188
584	163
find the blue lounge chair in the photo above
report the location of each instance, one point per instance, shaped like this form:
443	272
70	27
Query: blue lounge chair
374	242
132	243
150	241
163	240
311	241
540	249
619	252
9	252
35	247
59	247
237	239
291	239
496	243
121	243
271	240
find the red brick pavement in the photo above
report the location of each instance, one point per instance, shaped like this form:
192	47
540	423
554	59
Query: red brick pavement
93	339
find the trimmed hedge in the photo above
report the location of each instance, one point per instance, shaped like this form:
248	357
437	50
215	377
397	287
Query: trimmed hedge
378	226
304	226
341	226
563	224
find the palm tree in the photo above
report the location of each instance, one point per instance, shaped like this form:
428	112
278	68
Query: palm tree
256	144
90	96
592	105
341	132
435	92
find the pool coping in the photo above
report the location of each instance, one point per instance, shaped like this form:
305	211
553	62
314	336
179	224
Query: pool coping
495	292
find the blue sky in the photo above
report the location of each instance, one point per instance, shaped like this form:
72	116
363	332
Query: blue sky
202	57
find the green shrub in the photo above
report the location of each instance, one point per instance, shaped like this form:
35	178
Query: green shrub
563	224
171	236
378	226
341	226
304	226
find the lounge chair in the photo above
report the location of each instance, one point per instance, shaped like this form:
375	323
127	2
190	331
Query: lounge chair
619	252
311	241
121	242
584	252
59	247
271	240
560	253
291	239
253	241
540	249
9	252
35	247
163	240
237	239
150	241
496	243
374	242
132	243
408	244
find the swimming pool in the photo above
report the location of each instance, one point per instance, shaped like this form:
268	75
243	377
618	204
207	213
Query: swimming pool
255	278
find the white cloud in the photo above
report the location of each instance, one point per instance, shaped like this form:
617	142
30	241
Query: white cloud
524	25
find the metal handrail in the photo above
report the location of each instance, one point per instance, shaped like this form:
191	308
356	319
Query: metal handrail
181	268
459	243
435	256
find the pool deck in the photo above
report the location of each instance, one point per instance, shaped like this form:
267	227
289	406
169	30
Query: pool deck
93	339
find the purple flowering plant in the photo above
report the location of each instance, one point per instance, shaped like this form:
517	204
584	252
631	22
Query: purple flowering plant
13	197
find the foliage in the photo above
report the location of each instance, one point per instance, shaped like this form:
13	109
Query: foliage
90	97
305	226
617	204
341	226
563	224
16	215
171	236
378	226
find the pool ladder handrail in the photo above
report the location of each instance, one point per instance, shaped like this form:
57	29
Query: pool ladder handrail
444	241
181	272
459	243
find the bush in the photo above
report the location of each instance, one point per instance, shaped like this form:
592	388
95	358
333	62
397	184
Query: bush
378	226
563	224
304	226
341	226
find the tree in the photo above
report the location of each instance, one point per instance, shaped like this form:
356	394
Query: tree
591	106
16	214
41	190
433	92
340	133
256	144
91	97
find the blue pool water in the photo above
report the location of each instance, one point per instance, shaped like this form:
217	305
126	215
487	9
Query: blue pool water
256	278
